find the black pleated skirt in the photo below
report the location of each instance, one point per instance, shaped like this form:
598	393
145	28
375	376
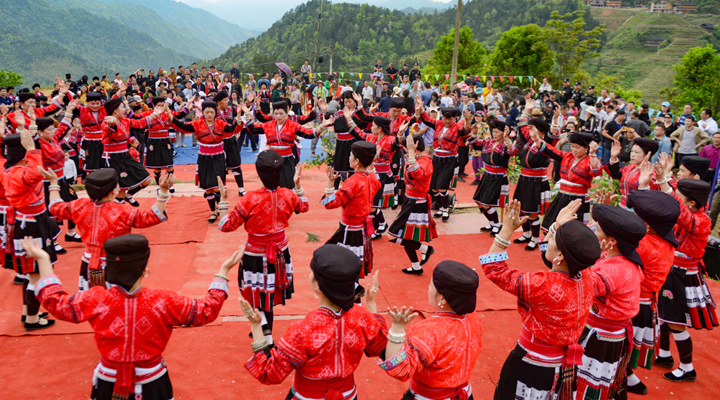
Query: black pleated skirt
159	153
131	173
444	173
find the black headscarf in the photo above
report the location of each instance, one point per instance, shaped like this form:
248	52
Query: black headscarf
647	145
695	189
397	102
623	226
157	100
93	96
499	125
582	138
578	245
100	183
43	123
696	164
269	166
222	95
127	257
348	94
12	150
458	284
419	142
23	97
383	123
364	151
657	209
112	105
336	269
541	125
450	112
209	104
280	105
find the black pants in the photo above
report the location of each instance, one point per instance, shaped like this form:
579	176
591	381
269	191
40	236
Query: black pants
463	158
245	135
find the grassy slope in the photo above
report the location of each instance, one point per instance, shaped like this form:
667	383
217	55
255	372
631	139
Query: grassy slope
644	69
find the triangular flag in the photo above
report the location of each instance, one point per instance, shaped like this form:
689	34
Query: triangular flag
493	79
447	77
360	75
335	73
484	79
437	77
392	76
351	74
357	83
530	79
444	87
427	77
342	74
511	79
501	79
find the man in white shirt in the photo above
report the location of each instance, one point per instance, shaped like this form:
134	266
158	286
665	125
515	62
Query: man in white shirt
494	100
707	123
367	93
446	100
545	87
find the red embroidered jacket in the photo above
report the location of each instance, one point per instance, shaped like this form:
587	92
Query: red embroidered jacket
159	127
115	138
355	196
134	154
52	152
264	212
418	176
529	153
554	307
283	141
691	233
3	200
39	112
445	142
656	254
23	185
99	221
91	124
387	147
394	125
440	352
576	179
324	348
617	288
494	154
220	130
629	176
130	328
300	119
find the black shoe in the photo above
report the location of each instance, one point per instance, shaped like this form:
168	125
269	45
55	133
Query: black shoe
437	214
132	202
461	179
59	249
376	236
495	230
474	183
445	216
72	238
640	389
242	192
531	246
41	315
194	145
463	174
486	228
690	376
18	280
175	153
213	218
522	239
664	362
411	271
426	256
37	326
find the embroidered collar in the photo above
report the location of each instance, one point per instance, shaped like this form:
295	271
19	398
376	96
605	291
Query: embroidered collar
448	314
331	313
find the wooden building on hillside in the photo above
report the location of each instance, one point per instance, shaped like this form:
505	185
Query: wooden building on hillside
661	6
685	7
613	4
708	27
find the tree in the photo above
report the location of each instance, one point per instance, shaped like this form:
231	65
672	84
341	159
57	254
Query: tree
571	43
523	50
470	54
697	79
10	78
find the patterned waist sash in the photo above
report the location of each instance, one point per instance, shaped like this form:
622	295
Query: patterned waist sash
423	391
328	389
129	376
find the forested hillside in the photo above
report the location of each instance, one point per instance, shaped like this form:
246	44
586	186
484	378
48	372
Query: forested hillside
359	34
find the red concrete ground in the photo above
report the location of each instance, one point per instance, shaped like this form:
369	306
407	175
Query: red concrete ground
207	363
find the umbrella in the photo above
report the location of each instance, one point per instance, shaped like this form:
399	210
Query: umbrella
284	68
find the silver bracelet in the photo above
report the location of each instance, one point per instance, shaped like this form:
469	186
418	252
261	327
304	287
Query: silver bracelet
299	192
259	346
502	243
393	339
552	230
329	190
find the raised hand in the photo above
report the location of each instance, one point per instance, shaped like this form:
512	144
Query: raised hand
253	315
593	148
372	293
357	98
4	109
604	196
26	139
646	172
616	149
511	217
328	121
32	249
568	213
401	317
234	259
410	145
48	174
250	97
331	174
167	182
110	120
404	126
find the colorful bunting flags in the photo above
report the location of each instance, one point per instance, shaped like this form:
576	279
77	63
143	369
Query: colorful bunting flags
444	87
447	77
360	75
511	79
342	74
392	76
437	77
493	78
427	77
501	79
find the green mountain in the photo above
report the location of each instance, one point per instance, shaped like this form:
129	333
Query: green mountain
215	32
359	34
77	35
143	19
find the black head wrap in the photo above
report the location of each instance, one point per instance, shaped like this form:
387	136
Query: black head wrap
696	164
94	96
397	102
623	226
499	125
451	112
100	183
419	142
209	104
127	257
112	105
222	95
348	94
41	98
582	138
647	145
458	284
43	123
383	123
657	209
336	269
541	125
23	97
269	166
280	105
695	189
364	152
578	245
12	150
157	100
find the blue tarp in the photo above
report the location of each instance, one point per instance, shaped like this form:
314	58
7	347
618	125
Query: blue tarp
188	155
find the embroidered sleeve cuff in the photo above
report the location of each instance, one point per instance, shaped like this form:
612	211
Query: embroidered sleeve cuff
220	284
304	199
393	361
493	257
65	122
47	281
161	215
327	199
223	221
413	167
55	201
